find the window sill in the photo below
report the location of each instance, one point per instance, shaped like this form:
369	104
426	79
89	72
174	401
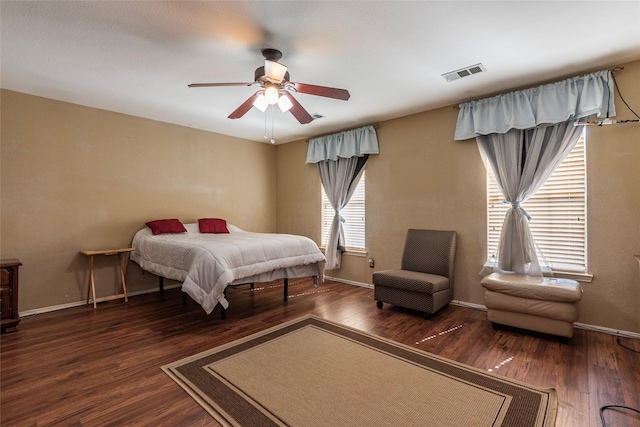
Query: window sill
354	252
573	275
349	252
579	277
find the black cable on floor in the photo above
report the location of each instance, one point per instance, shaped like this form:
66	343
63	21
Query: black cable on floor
628	348
602	409
604	424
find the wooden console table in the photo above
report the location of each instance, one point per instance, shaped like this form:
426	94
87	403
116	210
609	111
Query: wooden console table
123	258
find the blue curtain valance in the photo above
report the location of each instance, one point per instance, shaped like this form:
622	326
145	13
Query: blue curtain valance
347	144
553	103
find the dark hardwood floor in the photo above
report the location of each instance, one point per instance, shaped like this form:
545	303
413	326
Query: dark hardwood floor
86	367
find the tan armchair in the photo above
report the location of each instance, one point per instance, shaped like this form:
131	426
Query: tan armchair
425	280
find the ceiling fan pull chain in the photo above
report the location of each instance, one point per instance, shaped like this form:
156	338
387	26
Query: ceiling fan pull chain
273	141
265	125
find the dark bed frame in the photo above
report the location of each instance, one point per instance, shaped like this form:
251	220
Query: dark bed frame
223	313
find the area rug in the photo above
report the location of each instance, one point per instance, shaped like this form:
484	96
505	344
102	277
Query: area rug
312	372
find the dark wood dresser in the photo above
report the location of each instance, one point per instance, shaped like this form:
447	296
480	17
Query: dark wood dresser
9	316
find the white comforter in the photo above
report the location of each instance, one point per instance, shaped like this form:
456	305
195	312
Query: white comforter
207	263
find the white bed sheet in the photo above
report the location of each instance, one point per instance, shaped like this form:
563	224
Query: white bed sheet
207	263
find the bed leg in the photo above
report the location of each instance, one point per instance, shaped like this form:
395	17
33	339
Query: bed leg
286	289
252	286
315	281
223	311
160	284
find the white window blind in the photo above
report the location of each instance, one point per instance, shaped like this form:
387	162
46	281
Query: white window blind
353	214
558	215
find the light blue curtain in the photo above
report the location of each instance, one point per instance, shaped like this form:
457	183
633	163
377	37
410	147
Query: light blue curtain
339	179
522	137
341	160
558	102
520	162
347	144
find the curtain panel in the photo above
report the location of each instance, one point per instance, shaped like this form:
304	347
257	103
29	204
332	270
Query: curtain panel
520	162
341	160
570	99
339	179
347	144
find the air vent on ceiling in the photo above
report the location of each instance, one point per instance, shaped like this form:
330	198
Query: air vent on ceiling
464	72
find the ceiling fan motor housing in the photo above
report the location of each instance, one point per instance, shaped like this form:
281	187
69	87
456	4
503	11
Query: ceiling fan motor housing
271	54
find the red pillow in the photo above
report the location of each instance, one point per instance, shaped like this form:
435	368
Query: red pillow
164	226
213	225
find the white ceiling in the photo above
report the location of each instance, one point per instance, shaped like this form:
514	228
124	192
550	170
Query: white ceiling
137	57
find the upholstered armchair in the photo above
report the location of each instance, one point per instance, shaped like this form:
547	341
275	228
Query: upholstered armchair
424	281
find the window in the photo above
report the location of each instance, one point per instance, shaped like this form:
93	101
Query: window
558	215
353	214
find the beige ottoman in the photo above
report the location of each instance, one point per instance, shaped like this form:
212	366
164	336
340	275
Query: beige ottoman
541	304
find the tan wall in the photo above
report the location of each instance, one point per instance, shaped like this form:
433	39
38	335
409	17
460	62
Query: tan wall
77	178
423	179
613	209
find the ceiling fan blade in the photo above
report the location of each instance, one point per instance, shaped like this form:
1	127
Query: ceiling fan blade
242	109
299	112
220	84
329	92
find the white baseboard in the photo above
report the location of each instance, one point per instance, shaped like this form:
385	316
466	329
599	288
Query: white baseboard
35	311
602	329
595	328
609	331
41	310
469	304
349	282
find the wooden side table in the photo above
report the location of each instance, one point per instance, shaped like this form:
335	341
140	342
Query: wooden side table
9	295
123	258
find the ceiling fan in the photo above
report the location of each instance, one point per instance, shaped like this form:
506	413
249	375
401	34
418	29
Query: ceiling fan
275	88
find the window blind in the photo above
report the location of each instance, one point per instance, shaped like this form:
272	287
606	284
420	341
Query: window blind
558	215
353	213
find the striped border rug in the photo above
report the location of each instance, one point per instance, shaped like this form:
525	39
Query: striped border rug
312	372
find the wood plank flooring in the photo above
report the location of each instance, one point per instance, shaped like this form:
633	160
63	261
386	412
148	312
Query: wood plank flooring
86	367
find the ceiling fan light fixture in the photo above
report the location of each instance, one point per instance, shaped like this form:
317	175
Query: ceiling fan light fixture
271	95
261	103
274	71
284	103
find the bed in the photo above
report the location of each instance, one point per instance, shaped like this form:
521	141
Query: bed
206	263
